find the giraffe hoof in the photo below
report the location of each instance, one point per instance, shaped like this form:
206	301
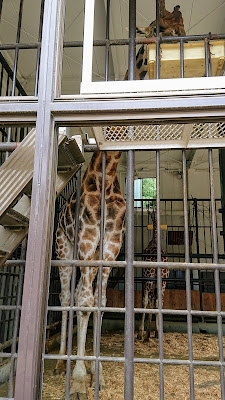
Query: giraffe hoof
139	336
60	368
78	396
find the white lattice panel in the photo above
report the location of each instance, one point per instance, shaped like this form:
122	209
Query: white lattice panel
161	136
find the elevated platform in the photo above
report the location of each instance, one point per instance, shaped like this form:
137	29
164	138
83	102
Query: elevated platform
16	184
194	59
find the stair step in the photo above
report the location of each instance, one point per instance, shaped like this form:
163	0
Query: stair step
12	219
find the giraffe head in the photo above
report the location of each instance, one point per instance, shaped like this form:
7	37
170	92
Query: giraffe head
170	24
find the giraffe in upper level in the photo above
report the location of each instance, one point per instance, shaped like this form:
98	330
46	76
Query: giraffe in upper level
150	287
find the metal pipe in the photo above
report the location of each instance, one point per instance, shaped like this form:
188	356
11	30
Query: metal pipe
159	279
39	48
157	40
16	322
216	274
206	43
188	280
8	146
107	39
129	271
182	58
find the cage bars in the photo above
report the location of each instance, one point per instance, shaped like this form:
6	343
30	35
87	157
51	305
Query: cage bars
129	271
188	278
216	274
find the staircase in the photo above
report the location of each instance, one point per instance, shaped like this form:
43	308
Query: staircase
16	184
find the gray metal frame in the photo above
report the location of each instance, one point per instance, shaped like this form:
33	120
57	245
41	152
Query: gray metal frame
46	113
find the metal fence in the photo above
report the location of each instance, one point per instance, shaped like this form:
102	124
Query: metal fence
48	114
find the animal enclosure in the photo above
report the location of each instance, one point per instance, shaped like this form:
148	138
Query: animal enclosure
112	169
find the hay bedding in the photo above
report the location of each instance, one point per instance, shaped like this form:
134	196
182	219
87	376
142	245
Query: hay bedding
146	379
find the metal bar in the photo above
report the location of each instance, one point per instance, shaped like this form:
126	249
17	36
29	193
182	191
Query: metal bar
157	41
206	42
216	274
17	49
222	186
129	271
39	48
16	323
73	284
8	146
188	282
107	39
182	58
101	254
9	71
28	380
124	42
159	279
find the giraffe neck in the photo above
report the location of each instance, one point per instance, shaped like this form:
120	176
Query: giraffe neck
141	64
95	166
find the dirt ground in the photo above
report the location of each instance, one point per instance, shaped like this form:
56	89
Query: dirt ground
146	379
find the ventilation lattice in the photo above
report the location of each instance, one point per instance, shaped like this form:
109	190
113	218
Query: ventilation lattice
162	132
143	132
208	131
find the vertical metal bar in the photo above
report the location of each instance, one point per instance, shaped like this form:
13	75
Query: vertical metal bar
1	3
17	49
216	275
101	254
188	281
107	38
206	57
181	58
28	380
222	188
159	279
157	41
72	286
39	48
129	272
16	321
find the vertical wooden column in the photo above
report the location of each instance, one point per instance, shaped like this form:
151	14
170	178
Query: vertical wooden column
35	292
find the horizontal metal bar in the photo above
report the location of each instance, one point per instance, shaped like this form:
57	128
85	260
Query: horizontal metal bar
14	46
7	355
8	308
174	109
123	264
139	311
8	146
163	39
136	360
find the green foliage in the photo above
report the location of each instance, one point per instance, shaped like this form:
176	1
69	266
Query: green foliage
148	191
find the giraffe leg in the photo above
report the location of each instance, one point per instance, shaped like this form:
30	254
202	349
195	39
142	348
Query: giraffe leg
105	275
112	245
65	251
85	299
65	275
142	324
151	305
